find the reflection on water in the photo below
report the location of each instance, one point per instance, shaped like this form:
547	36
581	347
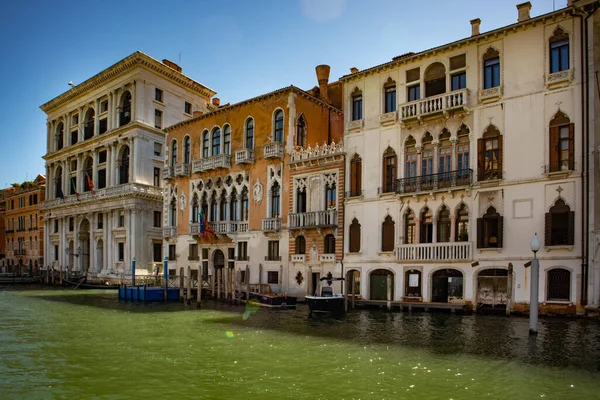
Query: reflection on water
76	344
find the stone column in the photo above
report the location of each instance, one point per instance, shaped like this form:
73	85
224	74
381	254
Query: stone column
80	125
454	142
49	183
64	177
96	112
104	242
76	260
240	207
417	229
95	168
79	175
132	159
133	239
134	112
93	266
453	228
109	244
434	220
115	109
128	237
418	167
50	136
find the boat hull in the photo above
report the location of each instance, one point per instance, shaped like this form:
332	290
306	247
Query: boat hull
274	301
330	305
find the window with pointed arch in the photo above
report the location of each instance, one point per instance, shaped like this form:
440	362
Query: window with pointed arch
233	206
490	229
489	155
187	150
389	170
329	244
216	141
389	90
214	207
275	201
195	209
227	140
223	206
462	224
356	176
462	152
245	204
443	225
410	229
204	206
300	245
301	132
300	200
173	153
559	51
427	162
205	144
387	234
357	106
250	134
354	238
444	157
559	225
173	212
278	127
491	69
426	226
562	143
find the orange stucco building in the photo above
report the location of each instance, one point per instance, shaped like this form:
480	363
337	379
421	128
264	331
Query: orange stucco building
234	166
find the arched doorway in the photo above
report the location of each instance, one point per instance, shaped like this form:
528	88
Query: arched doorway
353	279
84	245
446	286
99	256
492	288
378	284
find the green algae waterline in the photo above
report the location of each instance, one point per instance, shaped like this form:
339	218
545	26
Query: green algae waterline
68	344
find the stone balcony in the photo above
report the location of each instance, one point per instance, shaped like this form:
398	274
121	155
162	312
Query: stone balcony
194	228
169	231
271	224
327	258
388	118
436	252
210	163
245	156
490	94
182	169
355	125
315	219
298	258
274	150
168	173
434	182
440	104
559	77
308	155
229	227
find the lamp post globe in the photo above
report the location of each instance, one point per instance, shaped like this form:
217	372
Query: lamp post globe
535	244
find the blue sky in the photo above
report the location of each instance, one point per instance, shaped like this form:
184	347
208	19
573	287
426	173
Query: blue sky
240	49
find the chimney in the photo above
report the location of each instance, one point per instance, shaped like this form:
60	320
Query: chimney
354	70
523	9
197	113
570	2
171	64
323	78
475	26
216	101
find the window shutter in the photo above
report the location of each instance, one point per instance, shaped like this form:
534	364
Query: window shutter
358	178
479	232
571	147
548	229
571	228
353	178
500	137
387	240
384	175
500	231
480	159
354	238
554	150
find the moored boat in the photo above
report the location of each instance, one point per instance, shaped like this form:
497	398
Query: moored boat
326	298
264	295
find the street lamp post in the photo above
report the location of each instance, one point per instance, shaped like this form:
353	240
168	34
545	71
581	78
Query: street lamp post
535	277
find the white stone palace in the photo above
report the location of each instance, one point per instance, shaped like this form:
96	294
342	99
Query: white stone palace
105	154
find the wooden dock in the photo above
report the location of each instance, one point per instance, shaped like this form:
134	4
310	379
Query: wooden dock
410	306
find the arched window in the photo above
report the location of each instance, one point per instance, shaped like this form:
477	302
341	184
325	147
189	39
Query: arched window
427	178
173	153
195	209
410	230
233	206
444	159
329	244
245	204
356	176
560	225
490	229
426	226
278	128
204	206
87	175
356	105
443	225
354	236
462	224
387	234
489	155
173	212
205	144
300	245
330	196
250	134
60	136
223	206
435	79
462	153
125	109
558	285
389	90
300	200
389	170
562	143
214	207
88	124
491	69
216	141
187	150
559	51
227	140
124	166
301	132
58	181
275	201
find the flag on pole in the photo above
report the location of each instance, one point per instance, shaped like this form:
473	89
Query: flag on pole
74	187
90	183
201	221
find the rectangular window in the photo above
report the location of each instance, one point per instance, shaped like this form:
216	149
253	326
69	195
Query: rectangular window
390	99
273	277
103	106
356	108
491	73
187	108
74	119
157	252
444	164
158	119
156	176
102	157
56	252
157	219
121	251
414	93
102	125
242	251
74	136
101	178
462	157
172	254
73	185
100	222
205	254
330	197
157	149
55	226
273	251
193	252
559	56
121	221
459	81
158	95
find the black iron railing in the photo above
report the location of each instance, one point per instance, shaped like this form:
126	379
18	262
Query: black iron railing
443	180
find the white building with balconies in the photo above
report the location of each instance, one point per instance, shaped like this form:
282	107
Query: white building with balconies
458	155
104	162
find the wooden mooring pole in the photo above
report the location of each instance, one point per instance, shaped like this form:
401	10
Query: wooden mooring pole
188	294
389	291
199	289
353	288
181	284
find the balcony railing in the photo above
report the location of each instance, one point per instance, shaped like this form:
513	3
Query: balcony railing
194	228
271	224
327	258
274	150
298	257
210	163
273	257
169	231
428	183
221	227
435	104
449	251
309	153
20	252
182	169
168	173
245	156
313	219
113	191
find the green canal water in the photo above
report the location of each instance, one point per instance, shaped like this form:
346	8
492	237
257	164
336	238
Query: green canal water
66	344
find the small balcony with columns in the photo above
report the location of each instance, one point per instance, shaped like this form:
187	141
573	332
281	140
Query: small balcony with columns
211	163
